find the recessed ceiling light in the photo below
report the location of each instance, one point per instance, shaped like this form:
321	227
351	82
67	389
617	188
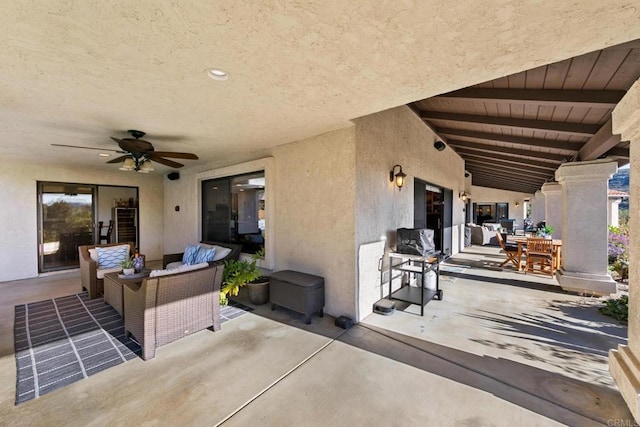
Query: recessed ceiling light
217	74
104	155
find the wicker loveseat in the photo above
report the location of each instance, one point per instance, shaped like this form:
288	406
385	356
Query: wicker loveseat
91	275
163	309
172	260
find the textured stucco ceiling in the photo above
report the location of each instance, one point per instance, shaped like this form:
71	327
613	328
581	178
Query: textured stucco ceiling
78	72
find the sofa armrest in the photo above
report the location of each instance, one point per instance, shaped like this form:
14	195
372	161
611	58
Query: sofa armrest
166	259
88	272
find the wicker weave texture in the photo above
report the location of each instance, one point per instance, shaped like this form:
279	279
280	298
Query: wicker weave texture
89	268
164	309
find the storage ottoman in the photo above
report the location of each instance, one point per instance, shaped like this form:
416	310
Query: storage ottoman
300	292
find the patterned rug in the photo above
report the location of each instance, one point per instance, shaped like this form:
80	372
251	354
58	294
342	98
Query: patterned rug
63	340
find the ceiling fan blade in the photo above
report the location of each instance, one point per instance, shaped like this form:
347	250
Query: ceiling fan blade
134	145
86	148
166	162
189	156
118	159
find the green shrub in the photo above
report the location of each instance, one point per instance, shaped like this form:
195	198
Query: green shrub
616	308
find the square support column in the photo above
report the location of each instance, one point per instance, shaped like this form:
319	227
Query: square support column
624	363
553	207
585	233
537	207
613	213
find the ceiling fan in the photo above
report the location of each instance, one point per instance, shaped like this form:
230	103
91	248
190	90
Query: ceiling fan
138	153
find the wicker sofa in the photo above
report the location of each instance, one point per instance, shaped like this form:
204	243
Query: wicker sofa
163	309
91	275
172	260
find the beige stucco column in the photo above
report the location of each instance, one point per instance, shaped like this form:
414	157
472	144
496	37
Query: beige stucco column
584	232
537	207
553	207
624	363
613	212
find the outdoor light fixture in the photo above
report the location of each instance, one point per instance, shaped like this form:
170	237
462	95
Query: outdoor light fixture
517	204
439	145
463	196
400	177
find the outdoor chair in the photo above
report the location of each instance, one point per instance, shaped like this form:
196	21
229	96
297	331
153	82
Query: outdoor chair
166	308
91	272
511	251
540	256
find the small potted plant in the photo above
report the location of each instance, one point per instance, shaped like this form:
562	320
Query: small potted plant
128	266
239	273
546	231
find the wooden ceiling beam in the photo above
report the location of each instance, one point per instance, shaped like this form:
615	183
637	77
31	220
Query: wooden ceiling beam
490	177
569	146
556	158
603	141
618	152
552	97
509	178
523	176
515	169
490	157
505	187
564	128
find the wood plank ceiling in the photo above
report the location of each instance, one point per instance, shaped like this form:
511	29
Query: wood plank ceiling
514	132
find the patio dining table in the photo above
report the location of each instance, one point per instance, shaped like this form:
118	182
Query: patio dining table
522	243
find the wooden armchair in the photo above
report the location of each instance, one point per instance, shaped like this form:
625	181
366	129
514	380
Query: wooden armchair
91	275
540	256
511	251
164	309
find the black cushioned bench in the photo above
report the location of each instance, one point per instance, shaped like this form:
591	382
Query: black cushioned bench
300	292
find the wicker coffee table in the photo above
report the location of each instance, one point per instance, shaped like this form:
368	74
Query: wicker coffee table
113	294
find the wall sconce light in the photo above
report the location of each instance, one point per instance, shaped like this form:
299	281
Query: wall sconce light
517	204
439	145
399	177
463	196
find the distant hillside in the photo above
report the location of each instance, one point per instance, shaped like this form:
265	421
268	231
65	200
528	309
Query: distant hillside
620	182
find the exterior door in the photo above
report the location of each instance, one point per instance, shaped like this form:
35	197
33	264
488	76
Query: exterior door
66	220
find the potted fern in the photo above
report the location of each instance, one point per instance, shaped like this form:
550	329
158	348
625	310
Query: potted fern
239	273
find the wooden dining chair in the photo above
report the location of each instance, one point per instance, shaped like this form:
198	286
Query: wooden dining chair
511	251
540	256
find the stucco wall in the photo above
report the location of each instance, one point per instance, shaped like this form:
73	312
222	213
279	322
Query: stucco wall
18	216
397	136
485	195
315	205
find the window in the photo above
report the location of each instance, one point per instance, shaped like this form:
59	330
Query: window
233	210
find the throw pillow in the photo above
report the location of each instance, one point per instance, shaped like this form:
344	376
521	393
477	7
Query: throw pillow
190	253
112	256
221	252
205	255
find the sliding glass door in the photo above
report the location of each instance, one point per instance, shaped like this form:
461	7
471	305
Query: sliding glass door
66	216
233	210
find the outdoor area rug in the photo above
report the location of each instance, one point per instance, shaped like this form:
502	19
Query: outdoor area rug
63	340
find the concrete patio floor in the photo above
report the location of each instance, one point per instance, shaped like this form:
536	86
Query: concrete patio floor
502	348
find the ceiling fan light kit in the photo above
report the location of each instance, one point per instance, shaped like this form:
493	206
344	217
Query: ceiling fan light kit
138	154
